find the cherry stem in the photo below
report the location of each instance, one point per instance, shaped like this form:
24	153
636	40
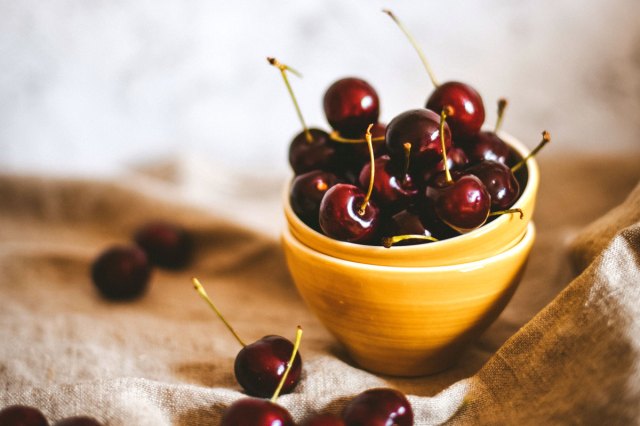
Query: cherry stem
296	346
508	211
446	111
367	197
335	136
201	291
546	138
283	71
502	105
415	45
407	159
389	241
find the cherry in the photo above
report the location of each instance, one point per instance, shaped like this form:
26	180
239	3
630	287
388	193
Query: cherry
468	110
391	188
324	420
79	421
487	145
421	129
121	272
167	245
378	407
312	148
352	154
262	367
22	415
406	228
306	194
456	160
350	105
347	213
256	412
502	185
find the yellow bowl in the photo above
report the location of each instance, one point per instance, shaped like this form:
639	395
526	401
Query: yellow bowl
488	240
405	321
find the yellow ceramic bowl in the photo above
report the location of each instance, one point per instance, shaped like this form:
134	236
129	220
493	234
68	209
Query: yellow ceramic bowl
488	240
405	321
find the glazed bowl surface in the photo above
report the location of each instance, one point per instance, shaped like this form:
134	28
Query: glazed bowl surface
405	321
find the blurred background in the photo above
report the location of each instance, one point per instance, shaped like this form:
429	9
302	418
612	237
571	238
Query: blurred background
95	88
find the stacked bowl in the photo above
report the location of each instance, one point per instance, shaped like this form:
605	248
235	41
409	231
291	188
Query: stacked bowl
412	310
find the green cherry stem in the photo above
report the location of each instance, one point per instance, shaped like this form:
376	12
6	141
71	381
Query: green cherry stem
389	241
446	111
546	138
335	135
502	105
407	160
283	71
201	291
415	45
367	136
508	211
296	346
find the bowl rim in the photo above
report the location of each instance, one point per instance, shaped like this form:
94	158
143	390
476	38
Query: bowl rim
526	241
380	251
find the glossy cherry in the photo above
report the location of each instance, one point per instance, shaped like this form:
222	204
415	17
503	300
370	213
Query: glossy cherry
324	420
502	185
168	245
78	421
421	129
318	152
468	110
261	366
22	415
256	412
343	218
350	105
393	187
487	145
378	407
306	194
121	272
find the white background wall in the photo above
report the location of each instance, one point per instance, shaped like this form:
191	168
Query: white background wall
95	86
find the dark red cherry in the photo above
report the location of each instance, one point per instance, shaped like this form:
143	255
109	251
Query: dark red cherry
121	272
350	105
350	157
420	128
306	194
305	155
324	420
464	204
468	109
456	160
342	217
485	146
392	187
378	407
168	245
259	366
78	421
256	412
502	185
22	415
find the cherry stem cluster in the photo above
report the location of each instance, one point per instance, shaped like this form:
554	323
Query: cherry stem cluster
296	346
367	136
283	71
201	291
546	138
415	45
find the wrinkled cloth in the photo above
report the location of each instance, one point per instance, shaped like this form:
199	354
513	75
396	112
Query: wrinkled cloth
566	350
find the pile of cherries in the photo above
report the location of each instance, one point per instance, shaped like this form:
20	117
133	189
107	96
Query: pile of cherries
432	173
122	272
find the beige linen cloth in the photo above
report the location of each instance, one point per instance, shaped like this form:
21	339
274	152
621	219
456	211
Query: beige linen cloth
565	351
